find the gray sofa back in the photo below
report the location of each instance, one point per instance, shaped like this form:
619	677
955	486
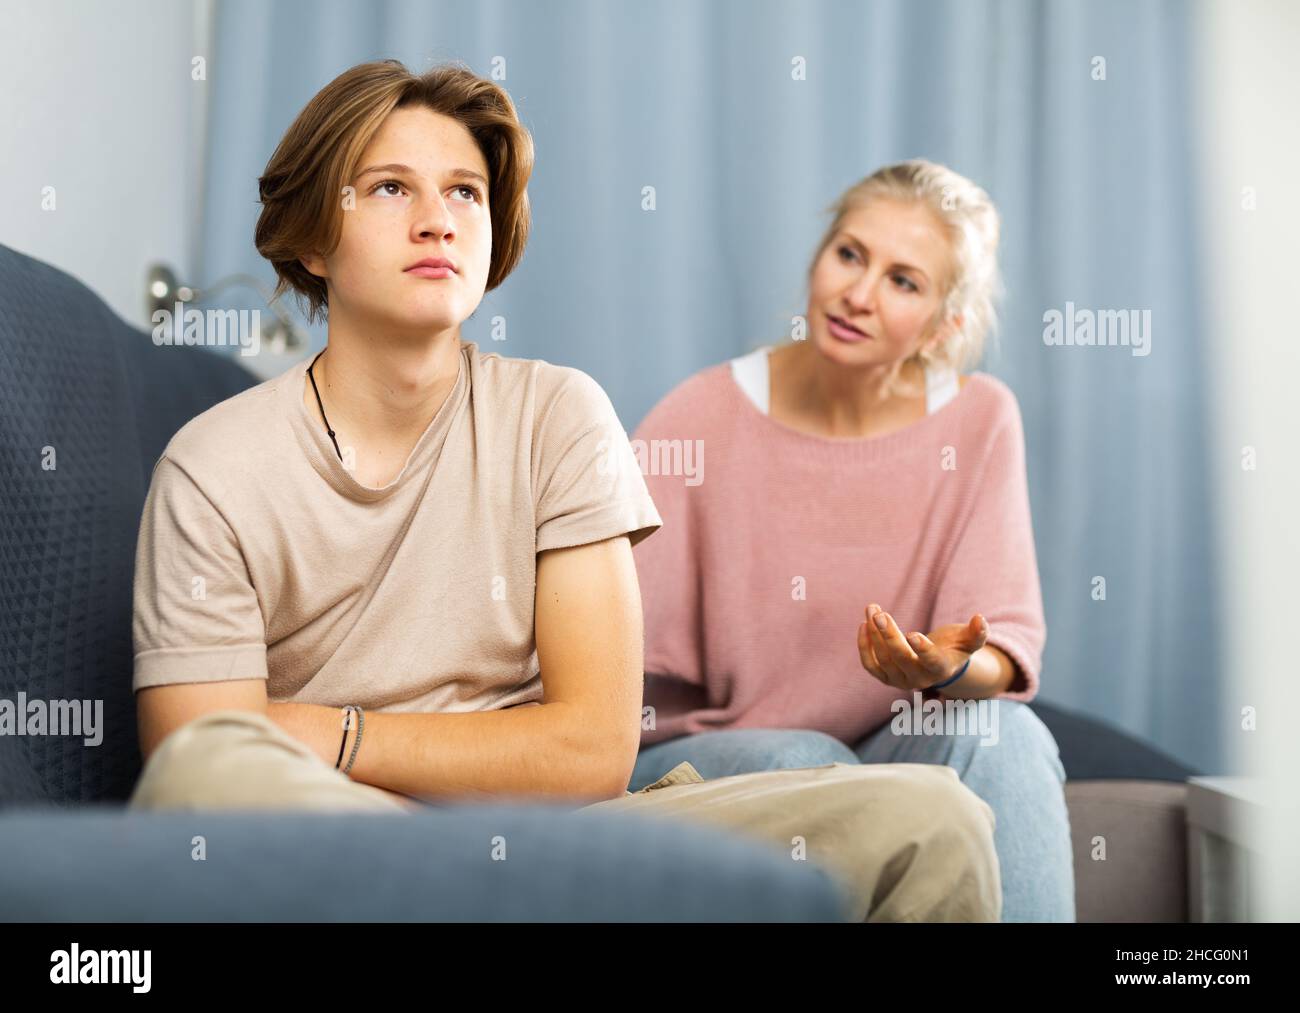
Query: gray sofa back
98	393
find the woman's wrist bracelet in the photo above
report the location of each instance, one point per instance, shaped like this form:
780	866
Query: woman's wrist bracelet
949	682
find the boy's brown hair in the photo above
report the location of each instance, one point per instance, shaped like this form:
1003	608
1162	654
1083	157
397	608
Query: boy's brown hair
301	189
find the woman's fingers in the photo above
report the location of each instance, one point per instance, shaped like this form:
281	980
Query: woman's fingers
877	657
911	661
868	654
875	650
894	638
894	662
899	652
931	660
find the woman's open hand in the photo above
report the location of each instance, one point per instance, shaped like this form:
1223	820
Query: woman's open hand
917	661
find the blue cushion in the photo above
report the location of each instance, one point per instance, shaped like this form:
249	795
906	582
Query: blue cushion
106	863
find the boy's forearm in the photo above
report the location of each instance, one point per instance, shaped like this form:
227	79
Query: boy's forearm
548	750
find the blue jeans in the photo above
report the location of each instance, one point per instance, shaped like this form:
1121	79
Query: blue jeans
1020	777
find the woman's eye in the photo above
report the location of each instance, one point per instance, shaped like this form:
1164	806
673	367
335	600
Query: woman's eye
844	250
386	182
473	191
907	283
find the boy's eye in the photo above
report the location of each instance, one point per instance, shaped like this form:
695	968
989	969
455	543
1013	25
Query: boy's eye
471	190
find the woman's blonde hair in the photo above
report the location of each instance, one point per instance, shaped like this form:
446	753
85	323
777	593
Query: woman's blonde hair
971	222
302	188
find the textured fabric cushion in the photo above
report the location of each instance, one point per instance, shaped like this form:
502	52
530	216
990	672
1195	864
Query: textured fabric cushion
78	379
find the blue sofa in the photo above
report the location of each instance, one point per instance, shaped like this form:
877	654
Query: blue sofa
76	378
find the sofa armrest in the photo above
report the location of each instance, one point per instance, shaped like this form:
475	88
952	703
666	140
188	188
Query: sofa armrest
1143	876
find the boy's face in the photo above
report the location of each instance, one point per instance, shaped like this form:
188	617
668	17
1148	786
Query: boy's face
397	216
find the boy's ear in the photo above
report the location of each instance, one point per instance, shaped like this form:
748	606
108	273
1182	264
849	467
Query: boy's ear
314	263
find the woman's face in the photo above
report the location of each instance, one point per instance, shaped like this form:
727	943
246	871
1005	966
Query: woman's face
420	191
883	272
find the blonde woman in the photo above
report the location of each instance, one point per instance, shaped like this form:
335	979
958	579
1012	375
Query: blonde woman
401	572
858	542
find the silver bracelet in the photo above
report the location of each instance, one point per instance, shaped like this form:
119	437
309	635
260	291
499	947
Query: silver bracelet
361	724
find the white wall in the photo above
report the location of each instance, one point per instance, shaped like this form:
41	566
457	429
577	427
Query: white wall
1247	91
97	101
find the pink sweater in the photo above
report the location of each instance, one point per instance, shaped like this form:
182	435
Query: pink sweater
774	542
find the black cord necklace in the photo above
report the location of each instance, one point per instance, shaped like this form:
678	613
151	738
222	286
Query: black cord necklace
322	406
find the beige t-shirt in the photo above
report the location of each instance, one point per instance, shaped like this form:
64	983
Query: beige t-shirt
261	557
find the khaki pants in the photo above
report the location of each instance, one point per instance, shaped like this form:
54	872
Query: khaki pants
906	841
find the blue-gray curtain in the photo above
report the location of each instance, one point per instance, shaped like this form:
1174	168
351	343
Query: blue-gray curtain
1095	180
